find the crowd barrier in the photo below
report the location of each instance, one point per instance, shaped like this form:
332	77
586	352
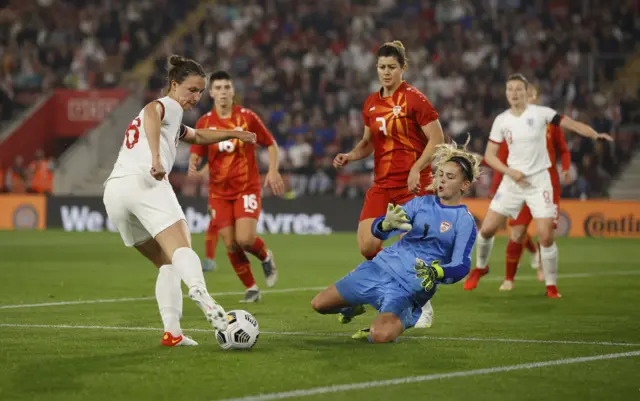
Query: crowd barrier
304	216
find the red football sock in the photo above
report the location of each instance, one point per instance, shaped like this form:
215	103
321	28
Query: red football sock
211	241
258	249
373	255
531	247
242	267
514	251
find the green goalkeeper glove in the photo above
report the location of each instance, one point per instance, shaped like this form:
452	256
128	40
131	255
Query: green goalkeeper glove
428	273
396	219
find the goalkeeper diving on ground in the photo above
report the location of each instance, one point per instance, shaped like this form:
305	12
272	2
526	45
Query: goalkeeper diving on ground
439	234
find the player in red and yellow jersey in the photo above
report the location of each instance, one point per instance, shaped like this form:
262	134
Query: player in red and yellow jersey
402	130
234	184
518	238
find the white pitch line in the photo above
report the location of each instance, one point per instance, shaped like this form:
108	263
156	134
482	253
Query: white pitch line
432	377
300	289
317	334
115	300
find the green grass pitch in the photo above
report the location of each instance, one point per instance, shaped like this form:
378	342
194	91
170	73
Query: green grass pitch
481	346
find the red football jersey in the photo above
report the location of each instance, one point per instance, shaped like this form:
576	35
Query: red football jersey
556	143
233	168
398	141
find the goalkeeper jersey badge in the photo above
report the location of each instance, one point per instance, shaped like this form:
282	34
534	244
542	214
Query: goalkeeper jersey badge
445	226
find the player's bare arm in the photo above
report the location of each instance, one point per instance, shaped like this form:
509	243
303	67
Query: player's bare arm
492	159
152	122
208	136
433	132
363	149
273	178
583	129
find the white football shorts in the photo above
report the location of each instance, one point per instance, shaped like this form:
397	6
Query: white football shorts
538	195
141	207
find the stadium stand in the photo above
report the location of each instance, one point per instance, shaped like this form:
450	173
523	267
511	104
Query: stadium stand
307	67
317	59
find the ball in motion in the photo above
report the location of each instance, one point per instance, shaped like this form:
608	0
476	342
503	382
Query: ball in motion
242	333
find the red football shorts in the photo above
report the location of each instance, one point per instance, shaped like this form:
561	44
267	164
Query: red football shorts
225	212
525	218
377	199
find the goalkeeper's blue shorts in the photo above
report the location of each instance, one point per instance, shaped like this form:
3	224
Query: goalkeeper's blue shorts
369	284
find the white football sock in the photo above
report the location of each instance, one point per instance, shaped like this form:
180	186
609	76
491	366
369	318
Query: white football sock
483	250
549	257
169	297
187	264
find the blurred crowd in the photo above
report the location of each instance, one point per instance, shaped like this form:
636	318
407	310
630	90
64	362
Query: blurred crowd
34	177
77	44
306	68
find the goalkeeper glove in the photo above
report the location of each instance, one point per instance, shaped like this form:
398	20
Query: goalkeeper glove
396	219
428	273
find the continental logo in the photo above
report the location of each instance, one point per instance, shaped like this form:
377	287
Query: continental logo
599	225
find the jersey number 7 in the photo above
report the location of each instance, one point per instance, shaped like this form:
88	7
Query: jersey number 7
383	125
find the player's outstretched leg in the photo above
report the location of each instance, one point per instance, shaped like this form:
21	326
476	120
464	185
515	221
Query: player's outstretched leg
330	302
169	297
176	241
210	242
168	294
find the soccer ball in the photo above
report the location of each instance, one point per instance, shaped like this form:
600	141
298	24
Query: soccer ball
242	332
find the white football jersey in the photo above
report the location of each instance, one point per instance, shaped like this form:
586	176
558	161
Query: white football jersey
526	137
135	153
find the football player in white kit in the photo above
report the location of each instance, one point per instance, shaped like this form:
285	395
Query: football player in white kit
526	177
142	205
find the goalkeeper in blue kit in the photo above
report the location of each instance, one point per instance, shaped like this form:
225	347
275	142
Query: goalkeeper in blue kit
436	249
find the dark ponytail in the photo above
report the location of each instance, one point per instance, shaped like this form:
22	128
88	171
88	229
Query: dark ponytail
180	68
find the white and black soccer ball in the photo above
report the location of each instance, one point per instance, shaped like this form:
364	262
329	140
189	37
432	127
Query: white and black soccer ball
242	333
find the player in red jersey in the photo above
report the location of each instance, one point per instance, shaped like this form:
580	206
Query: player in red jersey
402	130
518	237
234	184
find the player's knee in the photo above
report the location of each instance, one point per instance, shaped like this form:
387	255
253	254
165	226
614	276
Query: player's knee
318	304
383	334
232	246
245	241
518	234
546	240
369	249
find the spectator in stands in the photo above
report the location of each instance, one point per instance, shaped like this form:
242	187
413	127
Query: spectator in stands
40	173
16	176
300	155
